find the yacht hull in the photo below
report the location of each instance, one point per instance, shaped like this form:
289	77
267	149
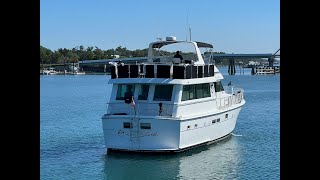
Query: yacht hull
167	134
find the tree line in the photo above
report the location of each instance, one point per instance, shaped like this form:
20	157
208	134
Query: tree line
64	55
76	54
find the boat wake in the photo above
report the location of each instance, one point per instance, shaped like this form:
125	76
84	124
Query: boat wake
236	134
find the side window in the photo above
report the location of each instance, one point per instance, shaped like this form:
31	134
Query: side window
206	90
192	92
163	93
124	89
218	86
199	91
195	91
185	93
143	92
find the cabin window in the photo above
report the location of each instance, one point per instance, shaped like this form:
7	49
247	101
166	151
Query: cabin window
163	93
226	116
213	121
218	120
123	89
186	93
218	86
127	125
143	92
199	91
192	92
206	90
195	91
145	125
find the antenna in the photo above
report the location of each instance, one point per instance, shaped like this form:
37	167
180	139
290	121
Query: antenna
188	27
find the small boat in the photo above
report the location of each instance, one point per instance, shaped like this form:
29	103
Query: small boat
79	73
50	71
167	104
262	70
76	73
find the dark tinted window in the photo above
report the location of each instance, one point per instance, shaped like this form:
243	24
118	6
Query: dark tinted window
218	86
124	89
127	125
195	91
145	125
143	92
163	93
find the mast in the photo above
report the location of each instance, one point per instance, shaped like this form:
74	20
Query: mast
188	27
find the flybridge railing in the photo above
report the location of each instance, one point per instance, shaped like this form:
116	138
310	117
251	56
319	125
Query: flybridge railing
172	71
235	98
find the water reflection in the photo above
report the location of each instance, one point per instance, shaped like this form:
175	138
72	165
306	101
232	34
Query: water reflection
217	161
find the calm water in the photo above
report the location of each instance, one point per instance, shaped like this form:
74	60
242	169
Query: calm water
72	145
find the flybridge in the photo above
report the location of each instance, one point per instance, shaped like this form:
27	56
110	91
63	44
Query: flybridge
163	63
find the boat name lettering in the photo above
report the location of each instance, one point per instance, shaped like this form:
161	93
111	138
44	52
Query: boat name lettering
141	134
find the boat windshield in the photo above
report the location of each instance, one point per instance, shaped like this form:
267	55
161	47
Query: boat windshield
206	54
166	52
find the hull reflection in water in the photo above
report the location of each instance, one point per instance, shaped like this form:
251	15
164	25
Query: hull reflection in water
216	161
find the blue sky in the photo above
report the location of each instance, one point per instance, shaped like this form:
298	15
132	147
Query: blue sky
232	26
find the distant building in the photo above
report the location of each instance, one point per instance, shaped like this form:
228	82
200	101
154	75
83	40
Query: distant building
116	56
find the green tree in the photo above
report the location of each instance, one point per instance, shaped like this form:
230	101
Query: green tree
72	57
89	54
63	55
45	55
98	53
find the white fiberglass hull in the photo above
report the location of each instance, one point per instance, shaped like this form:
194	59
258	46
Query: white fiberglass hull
167	134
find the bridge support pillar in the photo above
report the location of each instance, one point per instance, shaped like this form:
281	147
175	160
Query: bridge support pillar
271	60
253	71
231	67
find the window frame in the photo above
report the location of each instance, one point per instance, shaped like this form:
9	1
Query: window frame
193	90
121	92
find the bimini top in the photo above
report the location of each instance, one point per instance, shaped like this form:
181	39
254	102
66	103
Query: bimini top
190	51
159	44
